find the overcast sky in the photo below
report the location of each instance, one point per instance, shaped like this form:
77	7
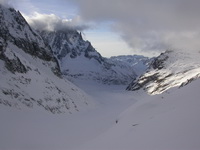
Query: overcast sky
123	26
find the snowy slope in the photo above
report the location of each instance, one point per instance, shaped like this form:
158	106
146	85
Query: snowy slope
39	130
30	76
79	60
169	121
121	120
170	69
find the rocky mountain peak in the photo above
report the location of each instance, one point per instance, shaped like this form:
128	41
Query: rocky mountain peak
69	42
78	59
158	62
16	30
29	73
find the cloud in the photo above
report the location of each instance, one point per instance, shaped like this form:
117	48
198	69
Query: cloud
51	22
145	25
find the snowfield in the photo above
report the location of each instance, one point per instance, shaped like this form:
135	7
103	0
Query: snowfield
169	121
37	129
121	120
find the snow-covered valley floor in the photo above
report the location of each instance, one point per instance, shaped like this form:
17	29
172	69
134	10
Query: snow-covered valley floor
120	120
36	129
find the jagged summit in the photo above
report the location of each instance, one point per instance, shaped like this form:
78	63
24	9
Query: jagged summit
29	73
15	29
78	59
69	42
170	69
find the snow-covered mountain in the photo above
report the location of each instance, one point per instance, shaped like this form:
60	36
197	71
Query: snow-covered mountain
122	120
138	62
29	73
79	60
170	69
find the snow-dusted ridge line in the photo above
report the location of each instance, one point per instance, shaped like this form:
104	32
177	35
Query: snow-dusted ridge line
170	69
29	74
15	28
139	63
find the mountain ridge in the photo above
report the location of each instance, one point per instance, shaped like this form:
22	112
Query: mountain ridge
30	75
78	59
170	69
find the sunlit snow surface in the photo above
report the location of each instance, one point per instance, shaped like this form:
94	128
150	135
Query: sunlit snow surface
178	69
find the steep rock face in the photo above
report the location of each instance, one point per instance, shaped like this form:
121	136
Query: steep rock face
170	69
69	42
29	73
79	60
15	29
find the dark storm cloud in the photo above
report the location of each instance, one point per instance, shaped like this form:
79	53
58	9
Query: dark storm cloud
148	24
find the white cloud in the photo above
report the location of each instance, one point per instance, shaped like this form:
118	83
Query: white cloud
51	22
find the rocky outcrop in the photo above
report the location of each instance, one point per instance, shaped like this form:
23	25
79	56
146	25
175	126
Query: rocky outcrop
15	29
170	69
